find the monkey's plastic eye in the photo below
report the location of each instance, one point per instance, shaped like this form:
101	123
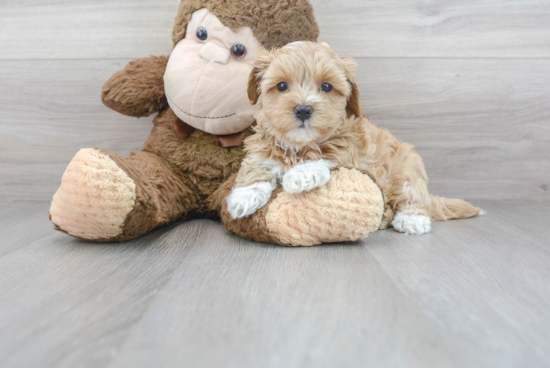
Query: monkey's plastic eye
325	87
282	86
239	51
202	34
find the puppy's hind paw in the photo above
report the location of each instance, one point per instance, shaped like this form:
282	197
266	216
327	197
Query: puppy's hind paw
307	176
246	201
411	224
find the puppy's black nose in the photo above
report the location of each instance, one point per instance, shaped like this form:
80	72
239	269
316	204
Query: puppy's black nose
303	112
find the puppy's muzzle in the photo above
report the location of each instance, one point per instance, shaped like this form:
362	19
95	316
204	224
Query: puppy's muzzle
303	112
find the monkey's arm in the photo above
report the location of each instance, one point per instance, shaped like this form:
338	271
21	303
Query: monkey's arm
138	89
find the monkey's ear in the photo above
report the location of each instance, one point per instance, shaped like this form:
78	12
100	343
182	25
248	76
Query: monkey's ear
354	100
263	61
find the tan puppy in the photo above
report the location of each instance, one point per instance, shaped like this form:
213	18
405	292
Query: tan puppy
311	121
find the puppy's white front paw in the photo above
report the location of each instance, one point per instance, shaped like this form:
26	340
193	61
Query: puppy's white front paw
307	176
246	201
411	224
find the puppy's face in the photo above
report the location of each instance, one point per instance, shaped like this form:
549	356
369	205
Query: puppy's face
307	91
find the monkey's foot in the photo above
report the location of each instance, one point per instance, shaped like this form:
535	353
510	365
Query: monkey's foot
349	207
95	197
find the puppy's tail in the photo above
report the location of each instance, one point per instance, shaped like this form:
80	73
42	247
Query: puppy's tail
443	209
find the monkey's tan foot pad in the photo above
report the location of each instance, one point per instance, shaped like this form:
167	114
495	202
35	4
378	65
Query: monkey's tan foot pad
95	197
349	207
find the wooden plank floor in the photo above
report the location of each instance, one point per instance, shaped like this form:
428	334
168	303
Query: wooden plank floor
473	293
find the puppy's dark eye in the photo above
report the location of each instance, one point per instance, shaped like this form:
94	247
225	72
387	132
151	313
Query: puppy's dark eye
325	87
202	34
282	86
239	51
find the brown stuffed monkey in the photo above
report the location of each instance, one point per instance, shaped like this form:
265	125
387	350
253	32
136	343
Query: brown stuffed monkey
200	95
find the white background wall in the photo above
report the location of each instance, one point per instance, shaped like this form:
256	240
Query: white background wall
466	81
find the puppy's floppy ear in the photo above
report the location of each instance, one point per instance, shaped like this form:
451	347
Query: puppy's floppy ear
253	86
262	63
354	101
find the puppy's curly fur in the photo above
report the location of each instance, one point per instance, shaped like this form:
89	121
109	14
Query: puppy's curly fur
300	153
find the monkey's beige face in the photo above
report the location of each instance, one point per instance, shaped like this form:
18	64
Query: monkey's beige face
305	90
207	74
